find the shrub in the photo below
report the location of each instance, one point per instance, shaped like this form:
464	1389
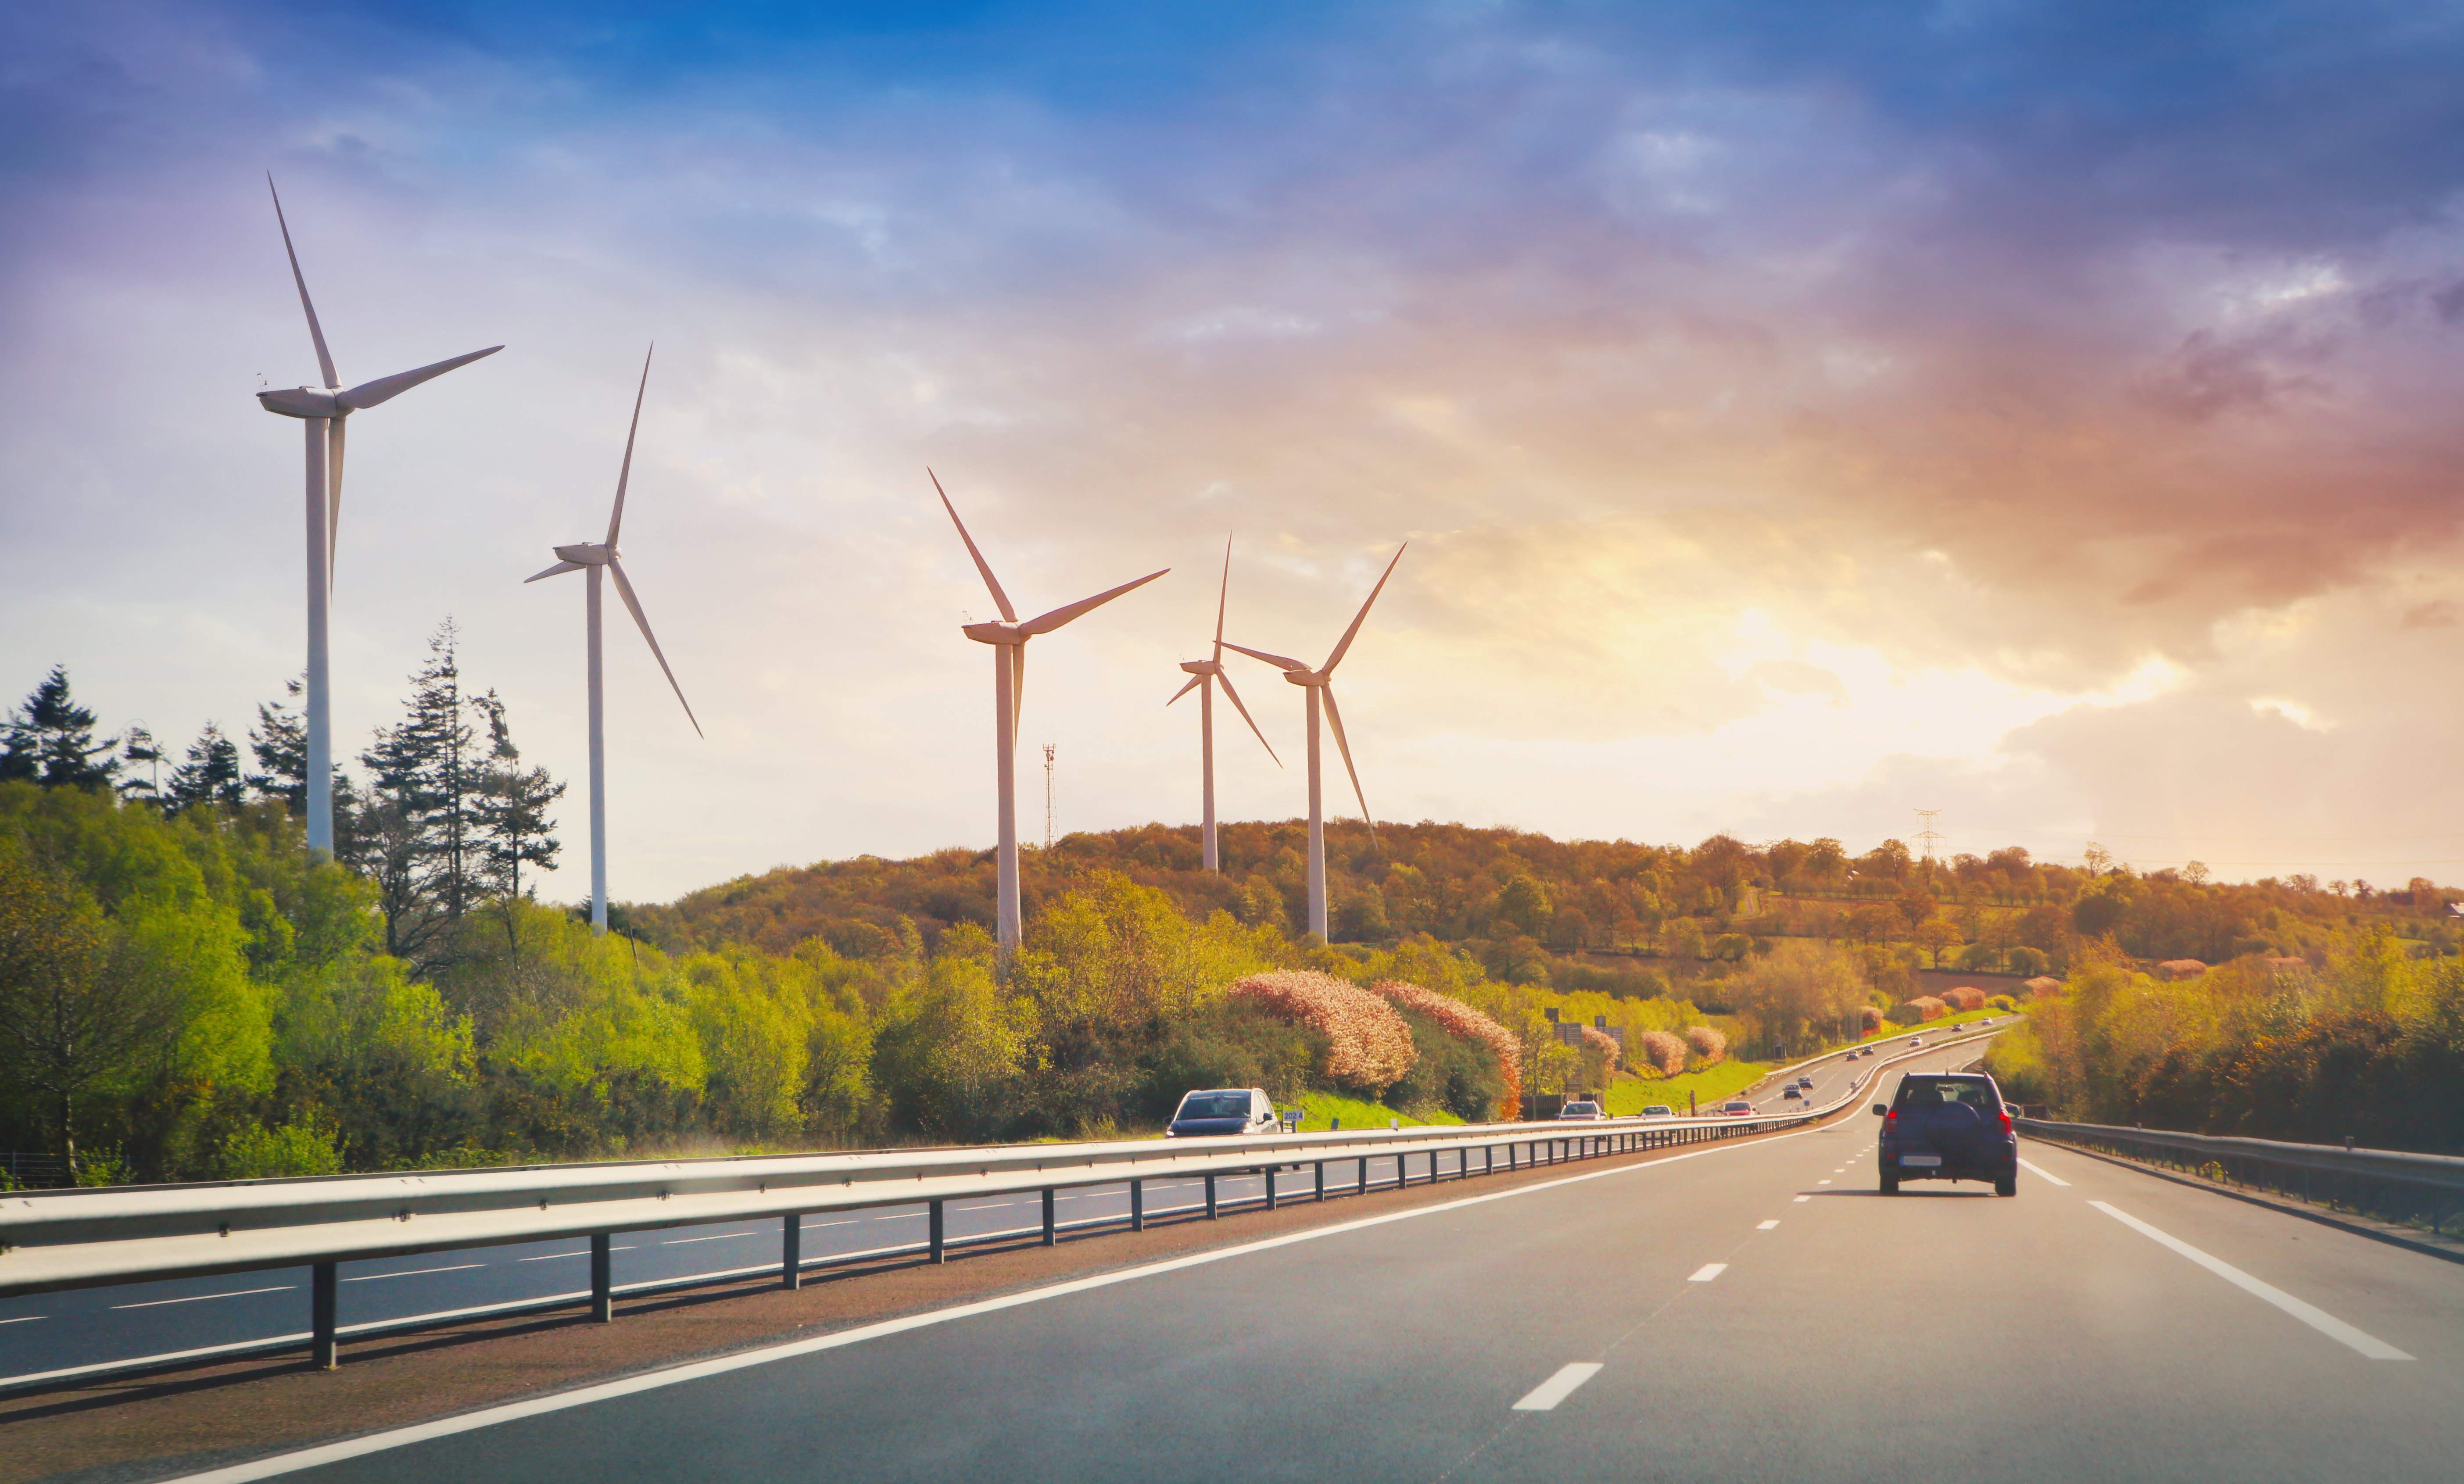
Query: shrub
1925	1007
1466	1024
1708	1044
1869	1018
2042	987
1659	1053
1368	1047
258	1153
1965	997
2002	1002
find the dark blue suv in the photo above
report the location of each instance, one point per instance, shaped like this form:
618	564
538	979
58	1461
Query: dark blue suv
1949	1125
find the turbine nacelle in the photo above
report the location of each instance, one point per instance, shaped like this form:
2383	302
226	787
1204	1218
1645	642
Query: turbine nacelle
996	633
587	553
301	401
1201	668
1318	678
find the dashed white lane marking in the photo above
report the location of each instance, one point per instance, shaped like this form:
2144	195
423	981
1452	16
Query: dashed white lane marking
2041	1175
2324	1322
1822	1182
681	1241
1766	1226
1707	1272
585	1252
1545	1397
237	1293
23	1318
1805	1197
370	1277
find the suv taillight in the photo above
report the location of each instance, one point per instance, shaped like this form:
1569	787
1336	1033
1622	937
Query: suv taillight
2006	1119
1890	1118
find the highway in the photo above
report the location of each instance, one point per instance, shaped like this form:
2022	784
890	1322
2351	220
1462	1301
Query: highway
1736	1311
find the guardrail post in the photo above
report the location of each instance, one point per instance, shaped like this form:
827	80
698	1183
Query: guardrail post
1488	1159
1320	1180
1210	1195
1271	1188
938	1228
323	1350
1363	1186
602	1280
1052	1234
791	1252
1137	1205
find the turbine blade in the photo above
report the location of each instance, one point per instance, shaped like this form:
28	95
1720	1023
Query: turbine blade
333	441
633	605
1001	600
1016	690
1224	595
316	332
563	566
1334	724
1336	658
1195	681
1234	696
1275	660
625	470
1083	606
386	388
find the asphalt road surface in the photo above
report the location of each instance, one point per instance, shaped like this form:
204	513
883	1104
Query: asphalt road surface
1737	1312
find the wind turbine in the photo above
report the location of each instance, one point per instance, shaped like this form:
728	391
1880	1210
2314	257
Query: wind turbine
1203	676
323	409
596	557
1008	639
1320	683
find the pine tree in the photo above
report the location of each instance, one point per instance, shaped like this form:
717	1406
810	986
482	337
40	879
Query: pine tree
137	746
51	740
416	830
279	742
510	816
210	775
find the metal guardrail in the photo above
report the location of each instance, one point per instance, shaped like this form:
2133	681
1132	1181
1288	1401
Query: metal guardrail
51	1240
2411	1185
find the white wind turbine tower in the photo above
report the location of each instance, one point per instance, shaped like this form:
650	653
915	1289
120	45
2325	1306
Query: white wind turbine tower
1204	674
1320	683
323	409
595	558
1008	639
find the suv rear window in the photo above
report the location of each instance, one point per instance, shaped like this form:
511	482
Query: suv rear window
1215	1104
1975	1091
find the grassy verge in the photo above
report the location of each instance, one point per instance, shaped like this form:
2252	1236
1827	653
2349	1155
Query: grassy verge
1630	1095
1900	1032
1324	1107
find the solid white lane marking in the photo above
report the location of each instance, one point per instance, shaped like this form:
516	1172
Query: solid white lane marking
370	1277
1545	1397
2324	1322
2042	1175
585	1396
681	1242
1805	1197
237	1293
1707	1272
1767	1226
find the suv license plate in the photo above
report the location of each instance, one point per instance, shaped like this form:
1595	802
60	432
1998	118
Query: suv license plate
1921	1159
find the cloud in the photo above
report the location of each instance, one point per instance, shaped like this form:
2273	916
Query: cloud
1781	401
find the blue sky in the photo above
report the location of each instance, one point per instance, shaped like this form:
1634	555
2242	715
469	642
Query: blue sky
1801	414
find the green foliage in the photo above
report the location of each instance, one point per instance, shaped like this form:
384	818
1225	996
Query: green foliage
301	1149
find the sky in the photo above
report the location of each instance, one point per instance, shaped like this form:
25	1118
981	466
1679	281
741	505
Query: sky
1801	415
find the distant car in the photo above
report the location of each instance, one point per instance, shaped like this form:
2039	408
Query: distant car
1805	1083
1951	1125
1218	1111
1791	1093
1916	1041
1580	1111
1852	1055
1660	1110
1736	1107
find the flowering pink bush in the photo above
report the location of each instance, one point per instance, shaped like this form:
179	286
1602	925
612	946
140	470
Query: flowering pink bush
1925	1007
1869	1018
1660	1050
1708	1044
1964	998
1465	1023
1597	1039
1368	1046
